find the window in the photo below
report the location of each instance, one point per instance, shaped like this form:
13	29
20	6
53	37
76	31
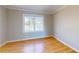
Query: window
33	23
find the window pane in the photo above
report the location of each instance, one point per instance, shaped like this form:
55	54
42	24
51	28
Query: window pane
39	24
28	24
33	23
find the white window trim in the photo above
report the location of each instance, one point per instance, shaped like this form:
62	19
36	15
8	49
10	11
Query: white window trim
23	30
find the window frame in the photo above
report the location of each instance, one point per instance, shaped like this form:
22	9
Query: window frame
34	15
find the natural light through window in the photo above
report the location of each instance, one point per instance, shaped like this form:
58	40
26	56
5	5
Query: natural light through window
33	23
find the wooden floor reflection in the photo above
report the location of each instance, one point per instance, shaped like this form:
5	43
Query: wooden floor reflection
43	45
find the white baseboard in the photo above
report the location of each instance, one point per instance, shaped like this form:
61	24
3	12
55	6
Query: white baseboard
25	39
65	43
46	36
3	44
19	40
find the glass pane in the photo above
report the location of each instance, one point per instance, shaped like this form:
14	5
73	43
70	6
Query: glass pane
39	24
28	24
33	23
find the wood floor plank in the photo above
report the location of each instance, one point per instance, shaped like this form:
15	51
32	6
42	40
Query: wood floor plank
42	45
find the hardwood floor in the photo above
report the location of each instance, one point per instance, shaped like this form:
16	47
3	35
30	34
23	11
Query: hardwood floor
43	45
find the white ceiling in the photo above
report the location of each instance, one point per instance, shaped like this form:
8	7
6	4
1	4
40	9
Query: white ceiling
48	9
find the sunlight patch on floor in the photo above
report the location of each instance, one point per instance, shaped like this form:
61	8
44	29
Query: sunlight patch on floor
34	48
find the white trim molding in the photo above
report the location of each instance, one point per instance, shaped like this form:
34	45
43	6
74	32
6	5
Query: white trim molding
45	37
3	44
21	40
65	43
60	9
36	12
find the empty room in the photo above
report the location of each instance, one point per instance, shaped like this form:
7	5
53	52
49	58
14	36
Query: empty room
39	28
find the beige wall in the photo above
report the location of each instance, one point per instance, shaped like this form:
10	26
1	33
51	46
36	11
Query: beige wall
3	24
66	26
15	25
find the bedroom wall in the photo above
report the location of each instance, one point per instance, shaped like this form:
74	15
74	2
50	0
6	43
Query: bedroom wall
15	25
66	26
3	23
